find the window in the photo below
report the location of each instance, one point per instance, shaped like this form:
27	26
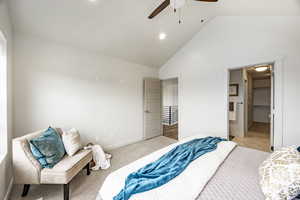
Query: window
3	95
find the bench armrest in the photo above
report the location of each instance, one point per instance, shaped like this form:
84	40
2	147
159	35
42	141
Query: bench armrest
26	168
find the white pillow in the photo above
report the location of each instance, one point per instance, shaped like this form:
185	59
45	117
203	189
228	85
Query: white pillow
280	174
71	140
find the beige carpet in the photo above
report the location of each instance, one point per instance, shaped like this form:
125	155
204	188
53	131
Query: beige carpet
85	187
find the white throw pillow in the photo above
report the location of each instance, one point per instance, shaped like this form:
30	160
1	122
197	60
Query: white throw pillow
280	174
71	140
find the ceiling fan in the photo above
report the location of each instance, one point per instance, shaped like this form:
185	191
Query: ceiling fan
175	4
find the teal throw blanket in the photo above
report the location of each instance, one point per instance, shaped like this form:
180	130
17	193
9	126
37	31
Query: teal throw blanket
166	167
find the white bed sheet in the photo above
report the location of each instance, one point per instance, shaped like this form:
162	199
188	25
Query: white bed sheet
186	186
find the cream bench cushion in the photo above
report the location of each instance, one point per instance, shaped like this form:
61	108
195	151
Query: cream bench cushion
66	169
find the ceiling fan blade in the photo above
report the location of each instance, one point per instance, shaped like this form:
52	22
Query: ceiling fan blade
160	8
207	0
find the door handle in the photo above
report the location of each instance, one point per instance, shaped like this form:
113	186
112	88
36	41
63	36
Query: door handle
147	111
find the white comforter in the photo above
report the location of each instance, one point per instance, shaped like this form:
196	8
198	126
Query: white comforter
187	185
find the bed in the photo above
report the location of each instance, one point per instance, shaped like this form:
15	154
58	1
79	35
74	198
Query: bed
235	177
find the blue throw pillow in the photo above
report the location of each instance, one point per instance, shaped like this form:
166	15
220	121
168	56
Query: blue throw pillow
298	149
48	149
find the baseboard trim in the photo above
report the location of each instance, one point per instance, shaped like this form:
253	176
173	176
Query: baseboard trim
9	189
118	145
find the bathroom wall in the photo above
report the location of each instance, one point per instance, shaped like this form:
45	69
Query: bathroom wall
236	127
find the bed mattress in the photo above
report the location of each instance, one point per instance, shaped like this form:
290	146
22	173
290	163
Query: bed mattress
237	178
176	188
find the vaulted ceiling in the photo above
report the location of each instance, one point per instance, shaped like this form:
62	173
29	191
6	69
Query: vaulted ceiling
120	28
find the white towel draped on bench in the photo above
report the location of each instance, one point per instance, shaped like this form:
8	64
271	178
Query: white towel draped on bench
101	159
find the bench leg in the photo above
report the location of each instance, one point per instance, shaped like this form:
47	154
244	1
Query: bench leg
88	171
66	191
25	190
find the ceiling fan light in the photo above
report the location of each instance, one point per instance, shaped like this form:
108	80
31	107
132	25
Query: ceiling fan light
261	69
176	4
162	36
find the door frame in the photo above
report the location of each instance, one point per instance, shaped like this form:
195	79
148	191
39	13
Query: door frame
278	98
238	103
4	95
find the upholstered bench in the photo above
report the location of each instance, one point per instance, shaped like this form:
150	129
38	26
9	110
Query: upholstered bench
27	170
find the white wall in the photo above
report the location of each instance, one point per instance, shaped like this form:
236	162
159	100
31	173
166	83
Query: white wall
6	160
236	127
261	114
262	100
170	92
67	87
227	42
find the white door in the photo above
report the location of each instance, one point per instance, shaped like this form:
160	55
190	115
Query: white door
246	81
152	108
272	111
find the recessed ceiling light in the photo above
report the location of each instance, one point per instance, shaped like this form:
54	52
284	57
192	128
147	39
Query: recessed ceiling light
93	1
162	36
261	69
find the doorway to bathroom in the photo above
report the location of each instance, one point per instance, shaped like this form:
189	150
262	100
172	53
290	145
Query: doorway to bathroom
170	108
251	105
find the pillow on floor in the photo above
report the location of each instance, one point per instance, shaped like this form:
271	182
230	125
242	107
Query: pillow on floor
48	148
71	140
280	174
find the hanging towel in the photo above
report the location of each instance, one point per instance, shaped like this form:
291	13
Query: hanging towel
233	113
166	167
101	159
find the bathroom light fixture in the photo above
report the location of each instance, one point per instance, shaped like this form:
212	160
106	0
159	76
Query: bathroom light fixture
162	36
261	69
